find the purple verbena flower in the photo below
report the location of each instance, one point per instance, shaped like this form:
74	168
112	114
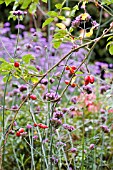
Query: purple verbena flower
68	127
29	126
55	122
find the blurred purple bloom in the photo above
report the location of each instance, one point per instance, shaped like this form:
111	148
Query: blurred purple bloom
29	126
20	26
68	127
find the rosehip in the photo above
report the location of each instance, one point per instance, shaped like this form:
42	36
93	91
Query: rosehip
73	67
35	124
92	79
73	85
42	126
16	64
87	80
67	82
21	130
67	68
18	133
33	97
72	71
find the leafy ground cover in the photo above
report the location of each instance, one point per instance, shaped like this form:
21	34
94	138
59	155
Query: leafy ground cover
56	107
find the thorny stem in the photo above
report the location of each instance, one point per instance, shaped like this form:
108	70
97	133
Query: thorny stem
48	71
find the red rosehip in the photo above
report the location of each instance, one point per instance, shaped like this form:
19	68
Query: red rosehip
73	67
35	125
92	79
16	64
67	82
21	130
73	85
42	126
87	80
33	97
72	71
18	133
67	67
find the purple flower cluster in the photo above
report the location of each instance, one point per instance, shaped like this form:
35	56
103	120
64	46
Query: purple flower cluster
51	96
55	122
105	128
88	89
60	144
73	150
54	159
19	13
68	127
58	114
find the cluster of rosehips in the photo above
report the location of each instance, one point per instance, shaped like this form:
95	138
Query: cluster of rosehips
72	84
89	79
20	132
72	71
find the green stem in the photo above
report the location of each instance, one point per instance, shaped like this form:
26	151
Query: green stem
83	141
65	157
3	117
16	156
17	38
40	138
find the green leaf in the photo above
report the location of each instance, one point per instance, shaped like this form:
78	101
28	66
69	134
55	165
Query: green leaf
79	72
111	49
109	43
61	25
3	60
58	6
32	8
72	13
76	7
66	8
47	21
44	1
62	18
1	1
7	2
5	78
31	68
109	38
5	66
71	29
34	79
25	4
26	58
52	14
57	43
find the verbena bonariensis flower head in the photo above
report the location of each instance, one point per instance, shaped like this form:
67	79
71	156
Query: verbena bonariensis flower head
105	128
54	159
74	99
29	126
68	127
55	122
92	146
76	22
60	144
51	96
58	114
73	150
